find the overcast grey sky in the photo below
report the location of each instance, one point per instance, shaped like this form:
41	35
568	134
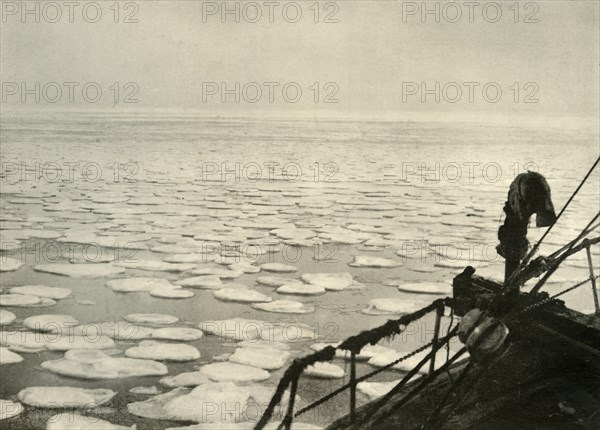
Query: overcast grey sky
170	52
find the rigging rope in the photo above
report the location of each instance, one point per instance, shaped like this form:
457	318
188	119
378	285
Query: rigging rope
553	269
354	343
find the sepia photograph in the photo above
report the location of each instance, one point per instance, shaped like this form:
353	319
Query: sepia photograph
299	215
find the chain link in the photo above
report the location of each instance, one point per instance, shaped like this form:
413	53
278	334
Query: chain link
551	298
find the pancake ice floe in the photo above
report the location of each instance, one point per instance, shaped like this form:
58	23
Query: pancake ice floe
276	281
6	317
241	295
284	307
235	405
152	350
385	306
117	330
55	293
65	397
137	284
440	288
209	282
233	372
25	301
29	341
8	264
185	334
171	293
50	323
244	267
263	358
324	370
147	391
278	267
9	357
77	270
92	364
151	319
186	379
374	390
219	272
330	281
301	289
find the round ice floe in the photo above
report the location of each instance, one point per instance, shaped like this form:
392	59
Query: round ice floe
377	262
157	266
153	407
100	270
163	351
23	340
324	370
276	281
172	249
171	293
187	379
87	364
235	328
426	288
278	267
65	342
375	390
177	405
6	317
287	332
237	406
148	391
227	396
71	421
65	397
219	272
244	267
209	282
241	295
128	285
50	322
9	357
284	307
8	264
263	358
9	409
222	372
393	306
151	319
185	334
19	300
330	281
301	289
55	293
29	341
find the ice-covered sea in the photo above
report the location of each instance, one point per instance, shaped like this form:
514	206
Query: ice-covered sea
209	208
